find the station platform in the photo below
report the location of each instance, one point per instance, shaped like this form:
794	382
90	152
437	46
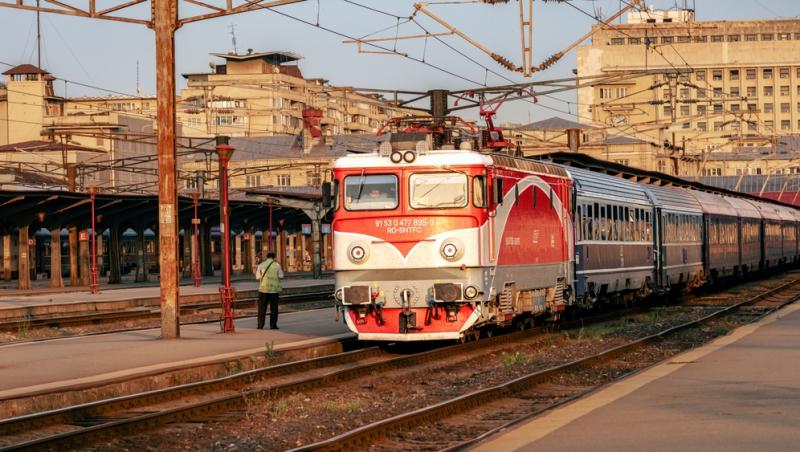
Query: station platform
35	367
16	305
739	393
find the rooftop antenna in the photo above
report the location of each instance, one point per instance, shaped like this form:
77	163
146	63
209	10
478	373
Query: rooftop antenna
233	38
38	38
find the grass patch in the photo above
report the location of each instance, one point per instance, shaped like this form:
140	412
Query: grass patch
514	359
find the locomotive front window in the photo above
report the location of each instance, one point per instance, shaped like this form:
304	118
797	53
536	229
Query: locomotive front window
370	192
438	190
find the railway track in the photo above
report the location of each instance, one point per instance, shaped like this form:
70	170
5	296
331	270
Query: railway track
83	424
520	398
138	313
108	419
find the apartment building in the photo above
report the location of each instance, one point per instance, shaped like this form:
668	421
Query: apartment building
710	86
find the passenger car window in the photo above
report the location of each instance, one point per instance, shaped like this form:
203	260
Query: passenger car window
479	191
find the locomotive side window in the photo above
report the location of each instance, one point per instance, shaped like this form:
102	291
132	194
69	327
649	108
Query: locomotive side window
438	190
479	191
370	192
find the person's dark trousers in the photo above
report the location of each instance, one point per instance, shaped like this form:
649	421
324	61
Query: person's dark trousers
262	308
273	309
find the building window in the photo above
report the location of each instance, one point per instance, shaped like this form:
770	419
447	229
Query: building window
662	166
617	41
716	74
684	93
684	110
283	180
751	37
701	92
735	125
314	178
769	124
752	107
667	110
734	74
798	107
634	40
751	125
717	108
734	38
767	73
623	162
701	38
686	125
666	40
701	126
751	91
783	72
683	39
701	110
734	91
718	126
786	124
253	181
767	37
700	75
717	92
768	107
785	90
784	36
717	38
769	90
750	74
713	172
735	107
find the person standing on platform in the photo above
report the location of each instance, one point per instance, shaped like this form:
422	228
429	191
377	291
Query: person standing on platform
269	273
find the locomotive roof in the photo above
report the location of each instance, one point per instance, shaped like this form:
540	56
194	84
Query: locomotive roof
429	158
590	183
528	165
674	198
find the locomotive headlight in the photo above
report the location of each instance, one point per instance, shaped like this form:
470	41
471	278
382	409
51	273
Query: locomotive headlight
396	157
409	156
470	292
357	252
451	249
339	295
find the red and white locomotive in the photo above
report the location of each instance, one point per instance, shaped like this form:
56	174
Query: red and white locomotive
440	244
435	244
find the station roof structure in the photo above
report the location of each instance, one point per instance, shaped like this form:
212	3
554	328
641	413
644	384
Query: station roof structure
57	209
46	146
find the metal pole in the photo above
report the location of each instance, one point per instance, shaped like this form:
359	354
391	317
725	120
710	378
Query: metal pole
196	276
93	269
165	22
269	238
225	151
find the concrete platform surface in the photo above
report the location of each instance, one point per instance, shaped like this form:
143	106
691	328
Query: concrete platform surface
738	393
17	300
39	366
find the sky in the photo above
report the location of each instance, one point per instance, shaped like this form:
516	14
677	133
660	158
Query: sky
106	54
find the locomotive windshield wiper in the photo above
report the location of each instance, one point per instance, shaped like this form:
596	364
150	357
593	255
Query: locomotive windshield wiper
360	186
